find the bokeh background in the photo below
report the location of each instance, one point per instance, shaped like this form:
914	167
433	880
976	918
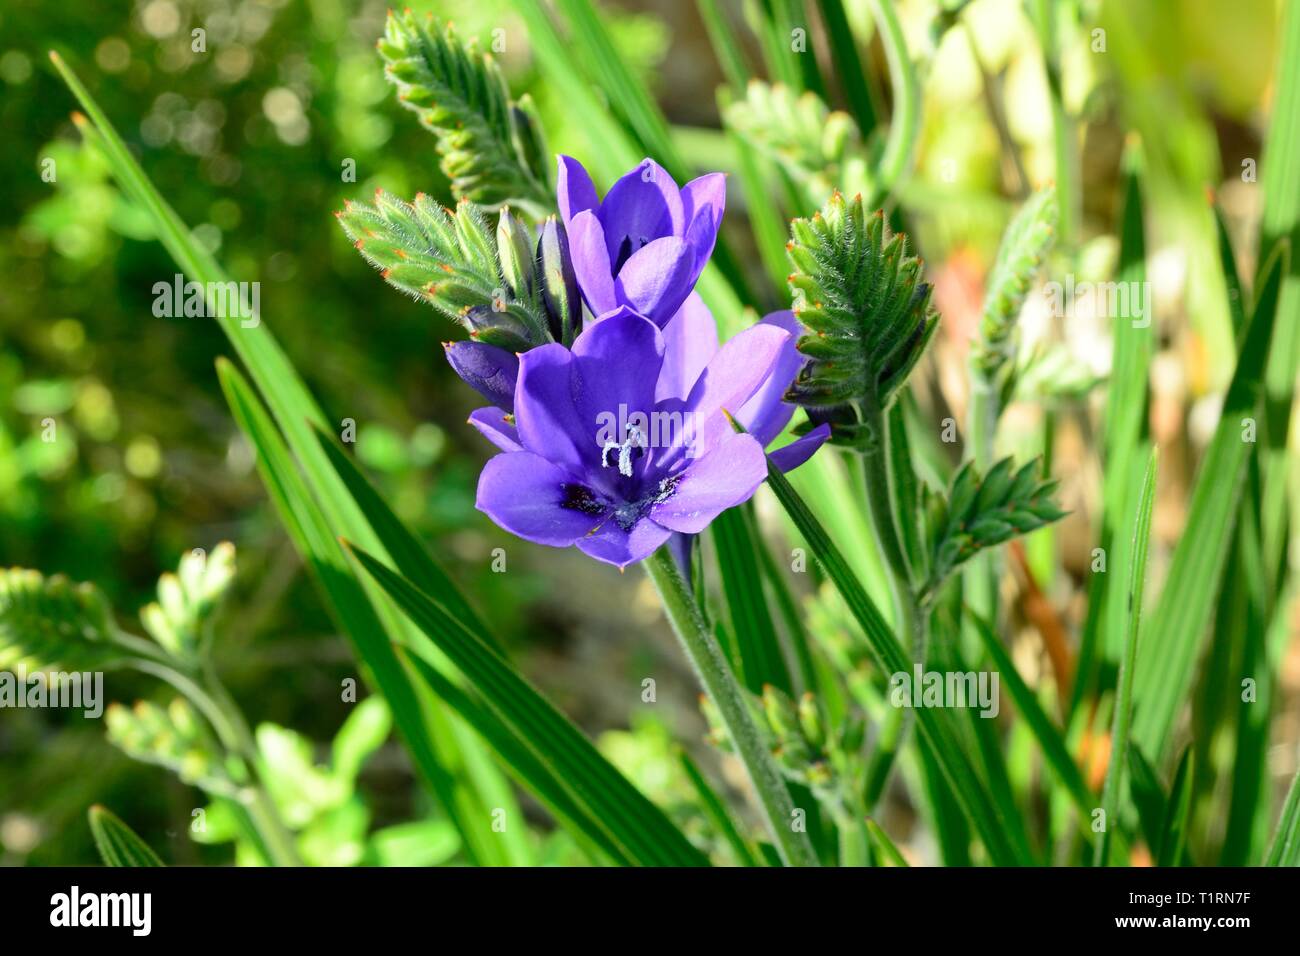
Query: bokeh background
248	140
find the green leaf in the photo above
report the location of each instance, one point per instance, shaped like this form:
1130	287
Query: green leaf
849	69
934	725
628	818
716	810
1280	228
449	260
865	307
531	773
490	148
410	556
421	843
1173	843
117	843
364	732
1165	669
324	555
761	659
1137	569
1285	848
1148	797
883	845
1049	737
978	513
628	97
50	622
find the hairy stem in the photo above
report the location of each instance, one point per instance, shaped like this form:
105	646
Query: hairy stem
711	667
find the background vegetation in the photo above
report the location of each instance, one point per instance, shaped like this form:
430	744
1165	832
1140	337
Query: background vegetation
249	141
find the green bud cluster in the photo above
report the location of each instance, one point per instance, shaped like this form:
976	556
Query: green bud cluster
492	149
867	312
508	289
172	737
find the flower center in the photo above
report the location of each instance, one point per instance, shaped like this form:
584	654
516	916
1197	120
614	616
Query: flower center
631	448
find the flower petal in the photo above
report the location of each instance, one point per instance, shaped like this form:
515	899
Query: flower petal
644	205
767	412
591	262
726	476
490	371
690	340
615	546
492	425
705	192
525	494
545	415
616	364
574	190
731	378
658	278
791	456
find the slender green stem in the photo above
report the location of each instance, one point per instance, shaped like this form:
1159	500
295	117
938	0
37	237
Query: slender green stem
711	667
880	504
980	583
854	849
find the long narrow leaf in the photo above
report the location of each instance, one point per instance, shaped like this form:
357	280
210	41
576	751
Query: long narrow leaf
629	819
117	843
1141	534
1165	669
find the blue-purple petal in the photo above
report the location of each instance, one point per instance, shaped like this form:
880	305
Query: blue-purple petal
492	423
658	277
525	494
690	340
490	371
617	363
591	262
644	205
574	190
791	456
545	415
727	476
620	548
767	413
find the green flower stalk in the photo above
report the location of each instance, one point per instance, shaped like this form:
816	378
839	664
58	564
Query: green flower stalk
491	147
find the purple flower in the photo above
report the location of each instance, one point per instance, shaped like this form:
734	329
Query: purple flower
598	459
646	243
691	341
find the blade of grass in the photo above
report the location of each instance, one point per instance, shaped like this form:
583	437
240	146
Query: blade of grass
883	845
117	843
1285	848
530	772
722	36
1281	224
1050	739
716	810
761	660
1141	535
1173	843
1164	672
628	817
315	540
849	67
